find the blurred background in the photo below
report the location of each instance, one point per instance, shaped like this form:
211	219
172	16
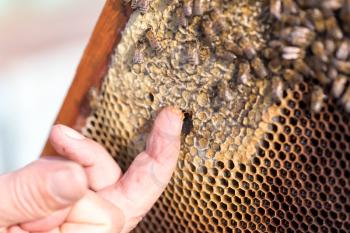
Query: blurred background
41	43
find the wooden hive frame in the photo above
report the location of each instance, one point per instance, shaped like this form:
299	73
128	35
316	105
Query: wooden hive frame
93	66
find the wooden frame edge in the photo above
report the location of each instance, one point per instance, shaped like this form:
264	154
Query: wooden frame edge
93	66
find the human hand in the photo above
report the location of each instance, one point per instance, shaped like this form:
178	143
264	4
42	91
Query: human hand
86	191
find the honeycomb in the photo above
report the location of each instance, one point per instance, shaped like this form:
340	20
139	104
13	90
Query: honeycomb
266	136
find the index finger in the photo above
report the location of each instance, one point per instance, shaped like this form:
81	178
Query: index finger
150	172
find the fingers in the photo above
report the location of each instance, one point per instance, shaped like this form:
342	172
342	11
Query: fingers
93	214
100	167
16	229
40	189
47	223
148	175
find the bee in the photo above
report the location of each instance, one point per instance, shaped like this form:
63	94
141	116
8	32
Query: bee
208	31
345	100
138	57
277	88
292	76
318	20
192	55
187	7
292	20
134	4
275	44
343	50
319	50
234	48
305	20
330	46
225	55
244	75
342	66
322	78
219	22
152	40
270	53
276	8
332	73
303	68
285	32
199	7
289	7
248	48
317	64
182	21
224	92
332	4
259	67
317	99
333	28
215	4
301	36
292	53
143	6
339	86
275	66
345	15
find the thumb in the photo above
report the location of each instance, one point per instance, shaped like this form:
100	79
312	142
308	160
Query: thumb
40	189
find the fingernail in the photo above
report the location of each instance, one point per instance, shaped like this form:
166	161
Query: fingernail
68	184
71	133
175	120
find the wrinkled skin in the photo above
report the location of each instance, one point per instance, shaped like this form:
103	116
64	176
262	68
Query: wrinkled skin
85	190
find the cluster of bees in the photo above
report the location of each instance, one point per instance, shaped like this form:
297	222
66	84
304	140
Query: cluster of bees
312	38
190	8
309	39
152	40
215	30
